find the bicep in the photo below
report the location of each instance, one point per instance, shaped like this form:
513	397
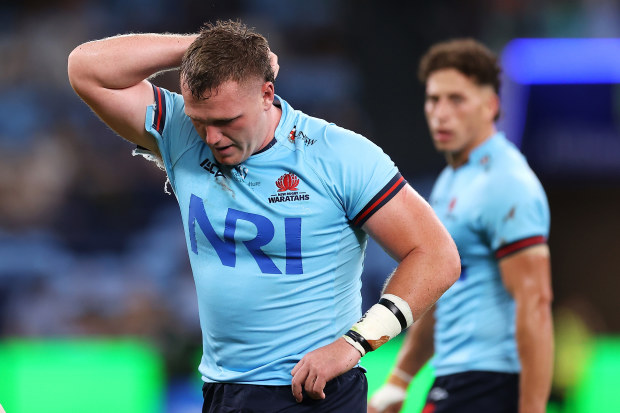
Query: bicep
527	273
123	110
405	223
428	261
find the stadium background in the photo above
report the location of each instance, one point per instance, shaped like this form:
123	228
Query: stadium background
97	303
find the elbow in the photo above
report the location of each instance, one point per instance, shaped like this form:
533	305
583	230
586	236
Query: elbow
75	68
543	304
455	267
73	63
451	262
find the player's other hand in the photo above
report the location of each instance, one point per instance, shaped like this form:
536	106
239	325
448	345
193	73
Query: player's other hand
318	367
273	59
388	399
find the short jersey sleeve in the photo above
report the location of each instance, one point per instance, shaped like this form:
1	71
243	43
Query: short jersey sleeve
361	177
517	215
172	129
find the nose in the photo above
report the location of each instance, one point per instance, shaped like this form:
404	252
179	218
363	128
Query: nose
441	111
212	135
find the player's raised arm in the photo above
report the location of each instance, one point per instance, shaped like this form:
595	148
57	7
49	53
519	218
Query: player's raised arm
110	76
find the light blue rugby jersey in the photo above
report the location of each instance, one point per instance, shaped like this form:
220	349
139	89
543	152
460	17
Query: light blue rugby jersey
275	244
492	206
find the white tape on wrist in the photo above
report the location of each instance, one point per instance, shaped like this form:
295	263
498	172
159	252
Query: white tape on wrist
382	322
355	342
404	376
402	306
387	396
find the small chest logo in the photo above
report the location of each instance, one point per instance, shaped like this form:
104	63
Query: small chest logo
485	162
450	210
287	190
211	167
291	134
451	205
294	135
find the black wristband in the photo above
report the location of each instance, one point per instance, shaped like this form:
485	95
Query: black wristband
392	307
357	337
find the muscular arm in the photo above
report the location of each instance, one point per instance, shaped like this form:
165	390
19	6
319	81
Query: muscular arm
527	276
408	229
110	76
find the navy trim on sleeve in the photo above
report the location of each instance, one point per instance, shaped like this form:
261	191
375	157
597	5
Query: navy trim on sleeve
516	246
384	195
159	119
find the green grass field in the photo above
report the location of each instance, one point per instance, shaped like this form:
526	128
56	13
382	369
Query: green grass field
380	362
118	375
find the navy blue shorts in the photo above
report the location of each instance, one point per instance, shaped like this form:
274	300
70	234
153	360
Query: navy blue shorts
346	393
474	392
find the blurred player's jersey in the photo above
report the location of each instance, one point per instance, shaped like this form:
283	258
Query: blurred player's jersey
275	243
492	206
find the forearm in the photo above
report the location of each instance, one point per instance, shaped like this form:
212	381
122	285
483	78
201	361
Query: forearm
428	264
123	61
535	345
416	350
424	275
418	281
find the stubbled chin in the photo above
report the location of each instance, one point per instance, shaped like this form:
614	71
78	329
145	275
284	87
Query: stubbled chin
226	160
225	157
441	145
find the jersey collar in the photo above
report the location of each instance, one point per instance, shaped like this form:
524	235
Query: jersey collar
481	153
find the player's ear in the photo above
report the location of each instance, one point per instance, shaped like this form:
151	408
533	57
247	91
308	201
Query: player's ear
491	105
268	94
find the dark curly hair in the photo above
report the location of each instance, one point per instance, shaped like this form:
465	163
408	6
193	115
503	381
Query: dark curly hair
468	56
226	50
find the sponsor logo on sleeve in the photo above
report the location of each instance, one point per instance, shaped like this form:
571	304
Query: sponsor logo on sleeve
511	214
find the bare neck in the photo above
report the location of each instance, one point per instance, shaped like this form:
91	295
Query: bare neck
274	114
459	158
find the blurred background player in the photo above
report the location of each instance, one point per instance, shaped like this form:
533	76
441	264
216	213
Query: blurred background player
493	335
276	210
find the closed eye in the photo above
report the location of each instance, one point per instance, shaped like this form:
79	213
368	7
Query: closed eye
224	122
214	122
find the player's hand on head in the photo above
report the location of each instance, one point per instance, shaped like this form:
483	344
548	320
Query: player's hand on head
388	399
318	367
273	59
